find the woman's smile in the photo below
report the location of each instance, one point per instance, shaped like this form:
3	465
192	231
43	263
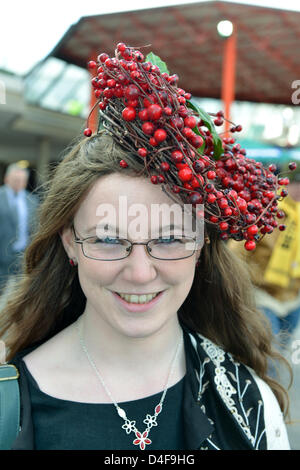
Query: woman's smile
138	303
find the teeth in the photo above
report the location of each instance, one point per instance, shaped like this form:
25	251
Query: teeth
138	299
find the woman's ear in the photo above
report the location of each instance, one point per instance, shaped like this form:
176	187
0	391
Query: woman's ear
67	238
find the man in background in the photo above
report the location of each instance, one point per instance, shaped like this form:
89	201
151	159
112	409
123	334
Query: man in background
17	216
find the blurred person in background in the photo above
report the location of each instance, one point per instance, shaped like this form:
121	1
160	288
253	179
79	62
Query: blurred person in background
17	214
275	268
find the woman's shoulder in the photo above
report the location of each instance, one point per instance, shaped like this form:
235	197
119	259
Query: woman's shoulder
276	432
227	373
52	362
48	352
58	369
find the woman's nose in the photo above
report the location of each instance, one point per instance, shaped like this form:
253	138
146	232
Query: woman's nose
140	266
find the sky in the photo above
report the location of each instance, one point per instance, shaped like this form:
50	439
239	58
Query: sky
30	29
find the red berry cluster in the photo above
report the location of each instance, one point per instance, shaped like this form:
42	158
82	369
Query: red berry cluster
146	111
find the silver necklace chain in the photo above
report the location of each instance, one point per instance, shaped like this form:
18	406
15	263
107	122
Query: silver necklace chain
141	438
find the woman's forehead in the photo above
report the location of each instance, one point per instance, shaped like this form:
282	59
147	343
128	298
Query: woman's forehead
109	189
118	203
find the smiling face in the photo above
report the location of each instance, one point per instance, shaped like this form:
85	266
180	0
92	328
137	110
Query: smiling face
139	273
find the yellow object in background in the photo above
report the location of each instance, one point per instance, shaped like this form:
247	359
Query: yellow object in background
274	265
284	262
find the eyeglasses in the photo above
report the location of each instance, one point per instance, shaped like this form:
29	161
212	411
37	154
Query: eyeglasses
113	249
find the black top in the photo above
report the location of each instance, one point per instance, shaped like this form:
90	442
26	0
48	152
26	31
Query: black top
68	425
217	405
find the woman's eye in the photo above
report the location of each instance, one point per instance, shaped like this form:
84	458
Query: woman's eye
109	240
168	240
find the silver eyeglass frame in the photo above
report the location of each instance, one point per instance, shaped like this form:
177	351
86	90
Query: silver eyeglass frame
80	241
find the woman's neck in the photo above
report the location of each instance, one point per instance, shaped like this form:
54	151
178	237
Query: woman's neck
112	349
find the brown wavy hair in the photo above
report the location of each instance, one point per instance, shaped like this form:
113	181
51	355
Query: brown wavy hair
47	297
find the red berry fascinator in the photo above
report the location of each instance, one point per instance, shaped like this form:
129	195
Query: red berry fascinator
142	107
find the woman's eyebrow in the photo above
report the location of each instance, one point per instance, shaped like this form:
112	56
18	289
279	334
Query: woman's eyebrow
98	226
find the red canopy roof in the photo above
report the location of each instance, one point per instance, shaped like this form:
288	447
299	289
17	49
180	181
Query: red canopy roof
185	36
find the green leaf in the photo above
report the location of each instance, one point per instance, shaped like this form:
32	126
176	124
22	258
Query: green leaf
155	60
218	147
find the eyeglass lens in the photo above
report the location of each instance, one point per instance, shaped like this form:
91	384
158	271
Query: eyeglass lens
116	248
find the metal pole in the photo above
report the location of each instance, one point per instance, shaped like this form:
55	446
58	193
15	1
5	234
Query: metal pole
228	75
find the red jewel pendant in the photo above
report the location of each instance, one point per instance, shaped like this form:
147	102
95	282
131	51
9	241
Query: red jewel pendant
142	440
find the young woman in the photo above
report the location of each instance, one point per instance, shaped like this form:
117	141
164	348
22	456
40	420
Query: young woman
135	337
